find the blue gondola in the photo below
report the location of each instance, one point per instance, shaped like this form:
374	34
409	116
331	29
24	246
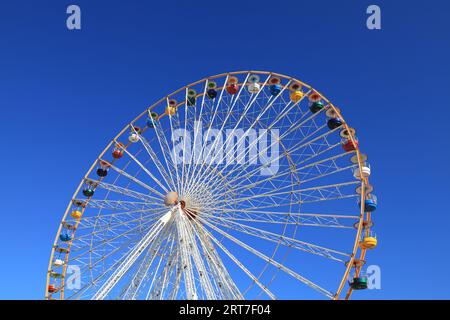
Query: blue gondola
370	205
316	106
65	237
334	123
358	283
191	101
88	192
275	89
211	93
102	172
152	119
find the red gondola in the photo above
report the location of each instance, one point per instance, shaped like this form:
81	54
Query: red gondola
117	154
349	145
118	151
232	88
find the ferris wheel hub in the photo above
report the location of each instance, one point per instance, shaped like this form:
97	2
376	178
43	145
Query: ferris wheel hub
171	198
189	209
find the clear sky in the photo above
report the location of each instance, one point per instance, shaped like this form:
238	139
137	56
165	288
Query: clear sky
64	94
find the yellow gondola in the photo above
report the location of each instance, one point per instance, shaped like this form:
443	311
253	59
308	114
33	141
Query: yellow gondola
171	110
296	95
76	214
368	242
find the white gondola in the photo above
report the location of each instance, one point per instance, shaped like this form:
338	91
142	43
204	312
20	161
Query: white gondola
134	137
254	87
365	169
58	263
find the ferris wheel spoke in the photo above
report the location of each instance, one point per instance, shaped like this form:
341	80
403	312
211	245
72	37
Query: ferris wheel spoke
133	256
264	205
196	166
236	261
316	176
301	219
167	258
91	265
303	124
317	193
165	150
172	269
204	282
162	171
143	168
241	178
323	161
247	184
247	106
79	294
272	262
112	237
88	222
186	111
110	227
154	273
301	144
88	240
196	127
191	161
272	205
317	154
278	238
155	248
134	284
175	286
161	281
253	143
186	263
127	192
304	176
120	205
223	122
134	179
206	170
223	281
170	260
178	182
93	248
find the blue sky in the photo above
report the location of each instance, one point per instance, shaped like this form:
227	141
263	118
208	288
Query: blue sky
64	94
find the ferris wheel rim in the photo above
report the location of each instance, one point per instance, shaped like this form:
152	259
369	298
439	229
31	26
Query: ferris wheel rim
356	249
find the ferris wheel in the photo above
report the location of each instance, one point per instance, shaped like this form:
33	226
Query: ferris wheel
243	185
